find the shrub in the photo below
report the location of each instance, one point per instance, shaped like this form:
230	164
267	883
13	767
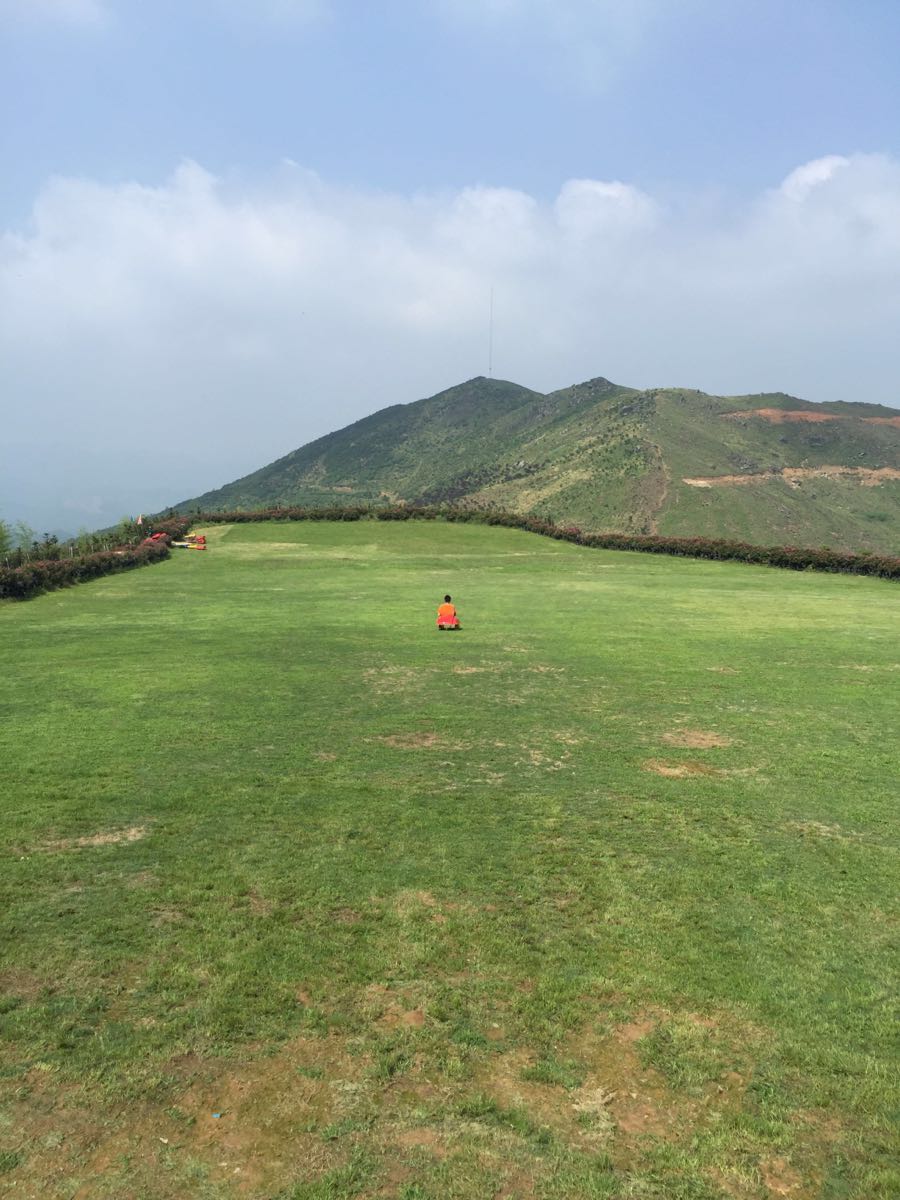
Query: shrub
795	558
44	575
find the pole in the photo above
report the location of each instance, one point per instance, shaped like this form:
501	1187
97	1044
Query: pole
491	338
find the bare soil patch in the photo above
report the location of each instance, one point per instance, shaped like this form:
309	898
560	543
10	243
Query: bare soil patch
21	983
112	837
392	680
418	741
679	770
259	906
538	758
785	416
633	1031
424	1139
818	829
780	1177
635	1098
895	421
793	476
141	879
619	1102
697	739
251	1128
396	1018
865	667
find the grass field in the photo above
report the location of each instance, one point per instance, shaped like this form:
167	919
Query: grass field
302	899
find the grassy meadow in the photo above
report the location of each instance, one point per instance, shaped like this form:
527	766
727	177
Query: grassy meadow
302	900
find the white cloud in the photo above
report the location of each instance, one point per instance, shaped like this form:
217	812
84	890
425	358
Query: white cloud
165	339
798	185
588	208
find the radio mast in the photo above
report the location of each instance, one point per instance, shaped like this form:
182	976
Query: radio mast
491	338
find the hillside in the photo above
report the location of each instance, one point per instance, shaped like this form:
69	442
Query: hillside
764	468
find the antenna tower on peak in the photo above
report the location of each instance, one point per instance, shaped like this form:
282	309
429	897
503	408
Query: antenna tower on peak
491	338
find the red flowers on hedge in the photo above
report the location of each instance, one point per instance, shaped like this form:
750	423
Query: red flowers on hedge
20	583
795	558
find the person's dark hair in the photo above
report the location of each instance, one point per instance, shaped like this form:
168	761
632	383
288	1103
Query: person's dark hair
446	599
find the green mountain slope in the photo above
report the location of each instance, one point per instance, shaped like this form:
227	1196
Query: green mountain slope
765	468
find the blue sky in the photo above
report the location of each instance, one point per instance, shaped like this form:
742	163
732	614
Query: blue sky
260	222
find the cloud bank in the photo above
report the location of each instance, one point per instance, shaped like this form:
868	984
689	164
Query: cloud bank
157	341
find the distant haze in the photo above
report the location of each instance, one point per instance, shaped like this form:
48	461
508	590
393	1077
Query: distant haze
183	298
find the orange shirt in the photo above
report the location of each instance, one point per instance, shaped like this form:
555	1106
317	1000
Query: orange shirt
447	612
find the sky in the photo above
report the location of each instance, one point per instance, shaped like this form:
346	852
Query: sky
229	228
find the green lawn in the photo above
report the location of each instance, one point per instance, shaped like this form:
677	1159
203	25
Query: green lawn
595	898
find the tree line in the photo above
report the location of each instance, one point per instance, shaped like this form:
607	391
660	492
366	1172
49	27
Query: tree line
21	545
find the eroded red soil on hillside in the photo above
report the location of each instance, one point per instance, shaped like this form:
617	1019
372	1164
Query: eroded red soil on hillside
793	476
782	416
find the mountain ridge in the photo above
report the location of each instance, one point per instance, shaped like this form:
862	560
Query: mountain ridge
760	467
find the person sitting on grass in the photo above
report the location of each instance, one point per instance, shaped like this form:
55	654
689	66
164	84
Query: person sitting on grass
446	617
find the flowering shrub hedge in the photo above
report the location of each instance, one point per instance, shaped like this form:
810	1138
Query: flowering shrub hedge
20	583
175	528
795	558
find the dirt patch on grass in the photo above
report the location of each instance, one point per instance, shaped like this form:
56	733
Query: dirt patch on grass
568	739
634	1099
724	670
166	916
259	905
251	1129
420	741
679	770
422	1139
539	758
260	1127
519	1185
780	1177
392	1007
895	421
868	667
140	880
410	899
398	1018
112	837
546	1105
21	984
818	829
345	916
633	1031
696	739
392	680
617	1103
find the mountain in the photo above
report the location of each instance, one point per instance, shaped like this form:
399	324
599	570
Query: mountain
765	468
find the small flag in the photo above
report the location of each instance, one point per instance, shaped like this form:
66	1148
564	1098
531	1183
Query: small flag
140	519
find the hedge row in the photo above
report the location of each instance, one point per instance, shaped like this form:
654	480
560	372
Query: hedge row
795	558
20	583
